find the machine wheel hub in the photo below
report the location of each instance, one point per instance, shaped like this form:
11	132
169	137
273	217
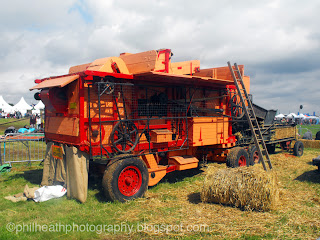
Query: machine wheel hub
242	161
129	181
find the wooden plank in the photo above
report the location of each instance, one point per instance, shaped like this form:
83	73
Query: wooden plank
160	62
184	162
246	82
140	62
105	102
73	97
145	62
209	72
63	126
56	82
209	131
218	73
224	72
79	68
208	119
161	135
105	133
105	65
186	67
150	161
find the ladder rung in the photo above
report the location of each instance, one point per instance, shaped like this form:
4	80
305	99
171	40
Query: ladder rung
253	122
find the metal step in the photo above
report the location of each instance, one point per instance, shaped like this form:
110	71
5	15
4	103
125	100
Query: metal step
183	162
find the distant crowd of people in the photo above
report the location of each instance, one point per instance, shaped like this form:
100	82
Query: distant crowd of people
299	121
16	114
35	119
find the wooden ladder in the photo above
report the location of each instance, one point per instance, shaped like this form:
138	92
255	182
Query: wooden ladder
251	116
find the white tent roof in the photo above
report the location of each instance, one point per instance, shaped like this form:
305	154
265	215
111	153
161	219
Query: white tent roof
292	115
312	117
22	106
280	116
39	105
4	105
301	116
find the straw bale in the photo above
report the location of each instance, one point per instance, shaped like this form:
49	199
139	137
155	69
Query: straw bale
284	132
249	188
310	143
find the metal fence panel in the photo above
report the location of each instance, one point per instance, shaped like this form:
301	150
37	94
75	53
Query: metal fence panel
27	147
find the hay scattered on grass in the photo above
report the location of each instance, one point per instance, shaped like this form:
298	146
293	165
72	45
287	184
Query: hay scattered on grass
249	188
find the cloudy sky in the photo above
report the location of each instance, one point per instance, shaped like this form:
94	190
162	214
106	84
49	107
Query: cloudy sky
278	41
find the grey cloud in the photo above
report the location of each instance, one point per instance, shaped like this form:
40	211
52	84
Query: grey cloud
277	41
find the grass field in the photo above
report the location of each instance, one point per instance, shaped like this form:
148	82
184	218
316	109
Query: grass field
172	209
8	122
304	128
17	151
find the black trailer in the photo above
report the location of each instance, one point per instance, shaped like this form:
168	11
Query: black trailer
274	133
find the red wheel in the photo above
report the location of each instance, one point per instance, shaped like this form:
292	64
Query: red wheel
298	149
242	161
237	157
253	155
129	181
125	178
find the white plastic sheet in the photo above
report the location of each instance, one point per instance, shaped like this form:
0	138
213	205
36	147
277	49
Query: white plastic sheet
46	193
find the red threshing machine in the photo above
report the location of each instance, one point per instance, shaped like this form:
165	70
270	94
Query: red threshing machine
142	116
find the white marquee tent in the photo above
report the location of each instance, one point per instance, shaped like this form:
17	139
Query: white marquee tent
39	106
279	116
5	107
292	115
22	106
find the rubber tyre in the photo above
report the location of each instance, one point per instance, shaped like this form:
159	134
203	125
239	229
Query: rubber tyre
318	135
298	149
115	177
238	157
253	155
271	148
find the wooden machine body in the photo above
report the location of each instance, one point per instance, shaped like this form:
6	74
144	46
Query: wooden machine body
178	109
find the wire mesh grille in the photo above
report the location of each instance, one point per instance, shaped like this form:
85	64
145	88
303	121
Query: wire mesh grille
148	118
